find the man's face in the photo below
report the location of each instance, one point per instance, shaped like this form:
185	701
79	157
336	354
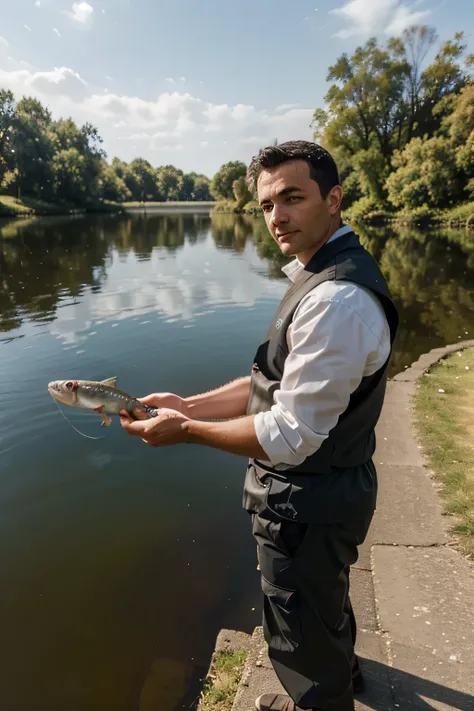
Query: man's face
298	218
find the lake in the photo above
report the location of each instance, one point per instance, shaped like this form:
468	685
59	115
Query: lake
121	562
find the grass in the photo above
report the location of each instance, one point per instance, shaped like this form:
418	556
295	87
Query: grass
444	423
222	681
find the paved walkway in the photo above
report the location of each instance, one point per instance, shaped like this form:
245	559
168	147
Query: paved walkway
412	592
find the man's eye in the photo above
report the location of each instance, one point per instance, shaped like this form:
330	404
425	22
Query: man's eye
267	208
295	197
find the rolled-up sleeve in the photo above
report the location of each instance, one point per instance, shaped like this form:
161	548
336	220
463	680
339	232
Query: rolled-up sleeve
334	343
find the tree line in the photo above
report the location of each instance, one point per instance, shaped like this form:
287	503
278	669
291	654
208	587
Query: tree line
402	133
58	161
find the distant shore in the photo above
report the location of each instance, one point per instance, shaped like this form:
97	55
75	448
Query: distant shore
31	207
460	216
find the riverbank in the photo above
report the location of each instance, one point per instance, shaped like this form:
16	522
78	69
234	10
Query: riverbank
412	590
460	216
31	207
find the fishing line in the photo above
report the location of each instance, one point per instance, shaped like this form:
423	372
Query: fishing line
75	428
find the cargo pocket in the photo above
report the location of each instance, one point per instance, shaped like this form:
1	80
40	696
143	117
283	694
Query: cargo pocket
255	491
282	626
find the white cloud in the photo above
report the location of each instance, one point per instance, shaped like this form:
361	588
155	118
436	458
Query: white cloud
169	80
365	17
108	78
4	43
173	121
57	31
37	3
60	82
27	28
286	107
182	78
81	12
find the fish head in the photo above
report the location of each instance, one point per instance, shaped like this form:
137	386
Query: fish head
64	391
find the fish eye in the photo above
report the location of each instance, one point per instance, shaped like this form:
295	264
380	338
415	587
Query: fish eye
70	385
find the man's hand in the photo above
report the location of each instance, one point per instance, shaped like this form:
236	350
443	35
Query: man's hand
168	400
172	427
165	429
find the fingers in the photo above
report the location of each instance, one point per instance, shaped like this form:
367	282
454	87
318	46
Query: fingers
147	400
138	427
140	415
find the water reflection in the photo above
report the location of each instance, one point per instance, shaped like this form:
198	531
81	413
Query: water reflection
46	265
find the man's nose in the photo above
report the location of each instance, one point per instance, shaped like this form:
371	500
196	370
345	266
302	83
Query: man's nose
279	215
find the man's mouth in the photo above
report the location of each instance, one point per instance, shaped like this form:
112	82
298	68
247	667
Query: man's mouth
283	235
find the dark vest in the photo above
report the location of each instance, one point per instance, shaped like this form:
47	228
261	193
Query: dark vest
351	442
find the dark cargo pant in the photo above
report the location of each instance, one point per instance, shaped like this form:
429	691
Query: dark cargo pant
308	621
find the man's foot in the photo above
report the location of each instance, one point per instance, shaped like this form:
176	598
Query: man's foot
276	702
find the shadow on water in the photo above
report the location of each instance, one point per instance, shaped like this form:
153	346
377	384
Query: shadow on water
103	609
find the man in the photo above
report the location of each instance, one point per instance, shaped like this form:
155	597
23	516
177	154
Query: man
305	418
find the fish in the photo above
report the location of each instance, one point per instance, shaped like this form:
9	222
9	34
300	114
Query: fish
101	396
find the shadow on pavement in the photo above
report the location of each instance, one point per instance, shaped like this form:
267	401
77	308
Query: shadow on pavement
408	691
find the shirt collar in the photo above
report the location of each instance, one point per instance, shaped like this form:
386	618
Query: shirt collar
294	268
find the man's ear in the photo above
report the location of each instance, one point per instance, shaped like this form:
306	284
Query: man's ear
334	199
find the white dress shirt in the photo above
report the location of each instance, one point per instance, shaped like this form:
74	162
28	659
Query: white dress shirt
338	335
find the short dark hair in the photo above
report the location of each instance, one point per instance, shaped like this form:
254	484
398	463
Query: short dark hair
322	166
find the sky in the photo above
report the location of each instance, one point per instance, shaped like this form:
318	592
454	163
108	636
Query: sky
196	83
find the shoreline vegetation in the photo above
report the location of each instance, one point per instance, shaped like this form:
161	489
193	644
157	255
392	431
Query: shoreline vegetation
461	216
443	408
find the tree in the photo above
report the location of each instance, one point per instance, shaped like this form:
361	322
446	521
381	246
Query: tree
111	186
425	174
7	117
223	181
68	168
201	190
187	189
436	171
145	180
169	181
381	98
32	146
241	192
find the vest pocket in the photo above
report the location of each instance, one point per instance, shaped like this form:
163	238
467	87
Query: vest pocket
282	628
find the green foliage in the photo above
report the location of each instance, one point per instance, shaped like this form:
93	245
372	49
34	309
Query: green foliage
241	192
223	181
362	207
382	99
169	181
425	174
435	172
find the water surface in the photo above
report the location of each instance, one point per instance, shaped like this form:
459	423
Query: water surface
121	562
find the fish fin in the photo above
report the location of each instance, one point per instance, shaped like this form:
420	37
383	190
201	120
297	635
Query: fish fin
106	421
110	381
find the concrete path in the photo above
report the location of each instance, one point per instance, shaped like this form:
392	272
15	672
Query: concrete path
412	592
